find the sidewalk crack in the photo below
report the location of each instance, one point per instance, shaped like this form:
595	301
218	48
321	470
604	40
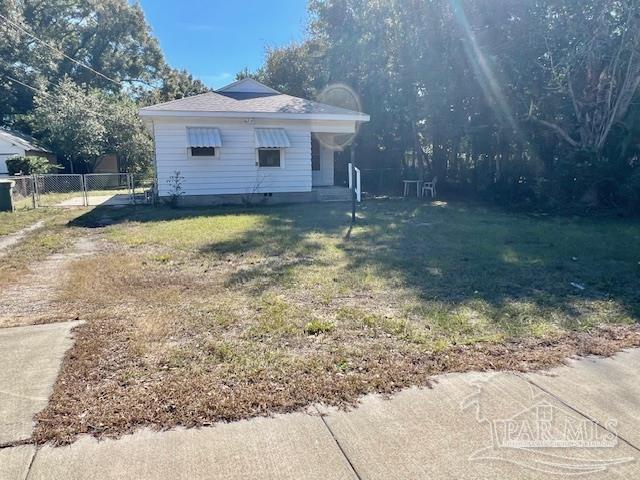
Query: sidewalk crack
335	439
576	410
33	457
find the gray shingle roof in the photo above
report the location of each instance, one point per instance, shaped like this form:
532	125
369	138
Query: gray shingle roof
247	102
20	139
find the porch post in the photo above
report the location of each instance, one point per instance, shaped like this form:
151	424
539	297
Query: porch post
352	182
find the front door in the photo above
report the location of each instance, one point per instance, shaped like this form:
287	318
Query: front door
321	164
316	171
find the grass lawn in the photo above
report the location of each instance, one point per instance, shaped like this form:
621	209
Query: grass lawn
11	222
197	316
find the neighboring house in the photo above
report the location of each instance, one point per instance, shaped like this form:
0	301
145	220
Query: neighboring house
14	144
107	163
247	141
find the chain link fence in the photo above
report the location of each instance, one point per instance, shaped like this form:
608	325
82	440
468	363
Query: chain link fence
59	190
108	189
382	181
23	192
77	190
144	189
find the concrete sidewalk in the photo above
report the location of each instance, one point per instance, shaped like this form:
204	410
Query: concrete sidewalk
468	426
31	358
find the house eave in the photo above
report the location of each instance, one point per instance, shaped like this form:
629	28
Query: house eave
38	150
275	116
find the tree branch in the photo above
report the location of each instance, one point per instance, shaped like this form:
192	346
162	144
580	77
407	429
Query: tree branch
557	129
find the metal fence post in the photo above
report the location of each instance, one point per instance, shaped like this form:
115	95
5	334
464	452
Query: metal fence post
132	191
36	190
32	179
83	185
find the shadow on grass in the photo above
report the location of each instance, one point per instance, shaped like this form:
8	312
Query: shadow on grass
449	254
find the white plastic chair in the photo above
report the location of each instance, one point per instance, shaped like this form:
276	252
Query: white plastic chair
430	187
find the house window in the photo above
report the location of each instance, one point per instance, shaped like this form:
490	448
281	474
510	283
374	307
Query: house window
269	157
315	155
203	151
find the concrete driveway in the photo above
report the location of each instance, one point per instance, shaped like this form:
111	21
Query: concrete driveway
114	199
560	424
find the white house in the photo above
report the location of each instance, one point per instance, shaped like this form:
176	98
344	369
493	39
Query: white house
247	141
14	144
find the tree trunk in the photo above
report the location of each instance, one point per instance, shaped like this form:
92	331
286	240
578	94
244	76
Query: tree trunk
439	155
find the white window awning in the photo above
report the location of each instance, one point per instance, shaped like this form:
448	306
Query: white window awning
203	137
271	138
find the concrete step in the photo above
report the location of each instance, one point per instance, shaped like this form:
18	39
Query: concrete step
333	195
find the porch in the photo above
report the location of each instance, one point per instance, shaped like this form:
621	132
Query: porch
331	194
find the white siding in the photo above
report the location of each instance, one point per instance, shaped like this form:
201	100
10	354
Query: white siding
8	150
233	170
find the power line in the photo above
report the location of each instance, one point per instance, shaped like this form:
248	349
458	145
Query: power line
60	52
47	94
37	90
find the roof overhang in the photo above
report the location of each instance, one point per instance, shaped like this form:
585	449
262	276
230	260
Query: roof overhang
21	143
356	117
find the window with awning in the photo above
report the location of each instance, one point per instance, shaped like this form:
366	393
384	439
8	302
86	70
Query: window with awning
203	141
272	138
270	143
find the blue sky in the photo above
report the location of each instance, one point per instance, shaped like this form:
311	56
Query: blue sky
215	39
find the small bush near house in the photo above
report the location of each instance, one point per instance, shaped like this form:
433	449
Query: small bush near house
176	189
30	165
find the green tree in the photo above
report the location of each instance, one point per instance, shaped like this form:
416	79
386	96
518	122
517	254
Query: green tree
82	124
174	84
45	41
596	73
70	121
294	69
126	135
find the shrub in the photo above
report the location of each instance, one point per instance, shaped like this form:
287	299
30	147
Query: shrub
516	192
30	165
176	189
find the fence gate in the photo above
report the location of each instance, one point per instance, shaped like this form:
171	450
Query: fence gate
108	189
59	190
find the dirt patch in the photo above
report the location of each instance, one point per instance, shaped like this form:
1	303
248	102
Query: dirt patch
12	239
32	299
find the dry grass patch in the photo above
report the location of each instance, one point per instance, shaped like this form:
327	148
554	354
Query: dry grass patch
201	316
54	236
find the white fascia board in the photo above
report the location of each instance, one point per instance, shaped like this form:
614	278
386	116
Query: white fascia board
276	116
